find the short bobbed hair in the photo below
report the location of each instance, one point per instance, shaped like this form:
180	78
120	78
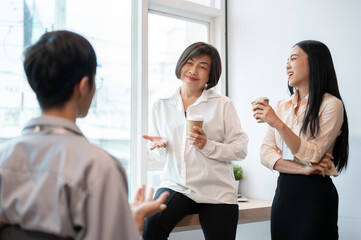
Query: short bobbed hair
56	63
200	49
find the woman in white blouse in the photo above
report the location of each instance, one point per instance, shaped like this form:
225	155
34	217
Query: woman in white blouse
306	140
198	171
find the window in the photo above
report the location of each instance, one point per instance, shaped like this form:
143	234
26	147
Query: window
106	24
137	43
170	31
167	38
209	3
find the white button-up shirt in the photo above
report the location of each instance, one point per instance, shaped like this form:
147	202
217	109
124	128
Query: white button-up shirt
204	175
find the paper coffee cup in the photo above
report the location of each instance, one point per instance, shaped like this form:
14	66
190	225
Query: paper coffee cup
194	120
260	99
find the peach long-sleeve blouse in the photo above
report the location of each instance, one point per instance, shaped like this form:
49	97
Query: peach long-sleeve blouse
310	151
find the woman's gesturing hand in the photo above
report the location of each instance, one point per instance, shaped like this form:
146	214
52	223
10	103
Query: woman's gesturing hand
198	139
158	142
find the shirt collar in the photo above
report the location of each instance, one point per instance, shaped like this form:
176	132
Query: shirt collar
293	100
206	94
47	120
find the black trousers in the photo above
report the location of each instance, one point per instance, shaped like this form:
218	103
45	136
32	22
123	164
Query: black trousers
218	221
304	208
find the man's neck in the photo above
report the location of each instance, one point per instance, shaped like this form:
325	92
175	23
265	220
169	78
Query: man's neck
66	112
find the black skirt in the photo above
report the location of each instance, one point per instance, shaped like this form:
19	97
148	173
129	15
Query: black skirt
304	208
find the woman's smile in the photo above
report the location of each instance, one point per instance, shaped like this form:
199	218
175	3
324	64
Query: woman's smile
192	78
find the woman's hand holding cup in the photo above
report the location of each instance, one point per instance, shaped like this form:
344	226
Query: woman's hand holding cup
257	108
197	138
196	135
263	112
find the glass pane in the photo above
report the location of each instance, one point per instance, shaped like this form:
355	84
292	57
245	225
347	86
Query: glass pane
153	178
208	3
107	25
17	101
168	37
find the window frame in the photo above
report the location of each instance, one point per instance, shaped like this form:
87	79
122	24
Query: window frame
215	17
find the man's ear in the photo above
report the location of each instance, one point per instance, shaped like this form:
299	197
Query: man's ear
84	86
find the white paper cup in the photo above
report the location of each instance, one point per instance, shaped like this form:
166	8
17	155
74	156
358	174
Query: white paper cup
194	120
260	99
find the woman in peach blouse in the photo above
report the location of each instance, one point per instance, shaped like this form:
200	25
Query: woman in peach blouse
306	142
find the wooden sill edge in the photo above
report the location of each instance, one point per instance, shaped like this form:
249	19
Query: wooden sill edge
254	210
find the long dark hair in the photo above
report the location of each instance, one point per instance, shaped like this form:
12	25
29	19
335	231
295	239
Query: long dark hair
322	79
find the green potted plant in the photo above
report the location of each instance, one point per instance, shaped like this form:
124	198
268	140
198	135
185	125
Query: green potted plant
238	175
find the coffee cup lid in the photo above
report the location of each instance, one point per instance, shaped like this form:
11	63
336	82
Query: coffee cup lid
260	99
195	118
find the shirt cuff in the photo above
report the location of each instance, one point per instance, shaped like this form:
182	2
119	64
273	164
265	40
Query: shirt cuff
272	161
208	148
158	154
162	150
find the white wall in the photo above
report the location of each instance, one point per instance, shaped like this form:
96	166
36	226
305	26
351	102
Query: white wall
261	34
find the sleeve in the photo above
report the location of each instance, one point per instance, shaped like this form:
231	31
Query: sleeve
107	210
157	153
331	119
236	140
269	152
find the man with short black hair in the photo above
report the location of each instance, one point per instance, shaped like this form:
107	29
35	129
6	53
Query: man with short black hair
52	180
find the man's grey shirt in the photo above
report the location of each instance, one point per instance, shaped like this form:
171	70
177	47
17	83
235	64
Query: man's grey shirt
53	180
